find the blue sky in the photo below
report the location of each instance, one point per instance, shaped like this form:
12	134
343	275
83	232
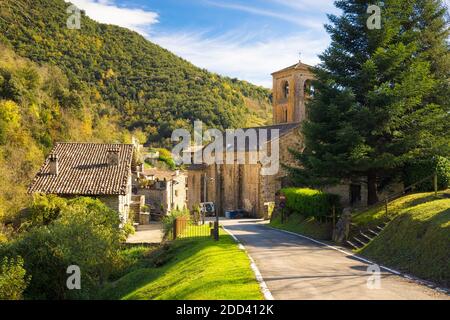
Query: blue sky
247	39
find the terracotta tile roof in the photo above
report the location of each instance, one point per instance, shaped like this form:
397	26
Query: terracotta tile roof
160	173
84	170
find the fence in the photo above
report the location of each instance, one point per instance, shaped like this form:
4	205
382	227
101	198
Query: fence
186	228
406	190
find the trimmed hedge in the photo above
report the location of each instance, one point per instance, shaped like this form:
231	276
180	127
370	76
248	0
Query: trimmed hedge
310	202
422	168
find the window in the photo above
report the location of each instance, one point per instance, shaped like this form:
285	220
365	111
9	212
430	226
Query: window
308	89
285	89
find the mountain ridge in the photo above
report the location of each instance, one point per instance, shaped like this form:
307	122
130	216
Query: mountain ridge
146	85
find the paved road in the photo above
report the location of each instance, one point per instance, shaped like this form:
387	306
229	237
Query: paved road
151	233
299	269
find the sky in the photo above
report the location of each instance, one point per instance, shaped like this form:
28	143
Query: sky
244	39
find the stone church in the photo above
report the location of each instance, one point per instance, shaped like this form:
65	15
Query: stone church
241	186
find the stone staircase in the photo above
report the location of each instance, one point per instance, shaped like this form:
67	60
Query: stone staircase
363	237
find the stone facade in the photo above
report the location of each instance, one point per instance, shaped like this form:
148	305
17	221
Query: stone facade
240	186
167	193
291	89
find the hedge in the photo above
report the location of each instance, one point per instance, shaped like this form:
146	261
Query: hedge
422	168
310	202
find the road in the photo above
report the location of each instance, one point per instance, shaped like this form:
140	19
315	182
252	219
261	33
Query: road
299	269
151	233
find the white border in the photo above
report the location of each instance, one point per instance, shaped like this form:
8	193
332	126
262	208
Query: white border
262	284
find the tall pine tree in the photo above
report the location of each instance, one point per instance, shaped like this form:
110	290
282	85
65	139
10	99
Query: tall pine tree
382	95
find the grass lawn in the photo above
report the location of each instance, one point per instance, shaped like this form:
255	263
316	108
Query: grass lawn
187	269
308	227
417	241
378	214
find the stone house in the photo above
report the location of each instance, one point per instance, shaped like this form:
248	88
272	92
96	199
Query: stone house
164	190
101	171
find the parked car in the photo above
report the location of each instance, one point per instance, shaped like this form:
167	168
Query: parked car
208	209
236	214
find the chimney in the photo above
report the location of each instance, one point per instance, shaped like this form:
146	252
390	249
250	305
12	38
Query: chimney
53	164
112	157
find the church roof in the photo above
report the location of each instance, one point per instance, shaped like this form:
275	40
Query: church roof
297	66
283	129
83	170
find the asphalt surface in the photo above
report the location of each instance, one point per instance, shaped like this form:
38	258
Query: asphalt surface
151	233
299	269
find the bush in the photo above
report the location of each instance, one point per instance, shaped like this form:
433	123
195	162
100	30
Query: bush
166	157
46	208
13	279
422	168
169	220
87	234
310	203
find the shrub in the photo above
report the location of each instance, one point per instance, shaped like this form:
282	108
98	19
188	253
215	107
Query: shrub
87	234
13	279
127	230
168	220
166	157
46	208
310	203
422	168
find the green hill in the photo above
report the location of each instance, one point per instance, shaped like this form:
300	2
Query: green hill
417	240
37	108
146	85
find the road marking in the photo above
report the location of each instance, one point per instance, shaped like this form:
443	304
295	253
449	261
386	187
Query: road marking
262	284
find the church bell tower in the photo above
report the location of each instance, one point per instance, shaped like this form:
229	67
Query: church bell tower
291	89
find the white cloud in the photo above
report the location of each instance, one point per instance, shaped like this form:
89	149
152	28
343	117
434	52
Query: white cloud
106	11
316	6
234	55
294	18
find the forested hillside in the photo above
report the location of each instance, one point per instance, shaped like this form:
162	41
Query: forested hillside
147	86
37	108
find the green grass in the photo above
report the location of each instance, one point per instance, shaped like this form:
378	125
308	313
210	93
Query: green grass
308	227
417	240
378	214
191	270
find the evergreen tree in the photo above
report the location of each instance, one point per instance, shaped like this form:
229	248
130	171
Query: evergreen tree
382	95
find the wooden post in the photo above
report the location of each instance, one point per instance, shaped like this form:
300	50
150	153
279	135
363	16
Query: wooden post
175	228
334	217
435	183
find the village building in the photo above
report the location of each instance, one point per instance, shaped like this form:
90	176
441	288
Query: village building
102	171
164	190
241	186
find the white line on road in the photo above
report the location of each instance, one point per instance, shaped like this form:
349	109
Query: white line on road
262	284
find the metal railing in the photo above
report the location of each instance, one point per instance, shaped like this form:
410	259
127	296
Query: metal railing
186	228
